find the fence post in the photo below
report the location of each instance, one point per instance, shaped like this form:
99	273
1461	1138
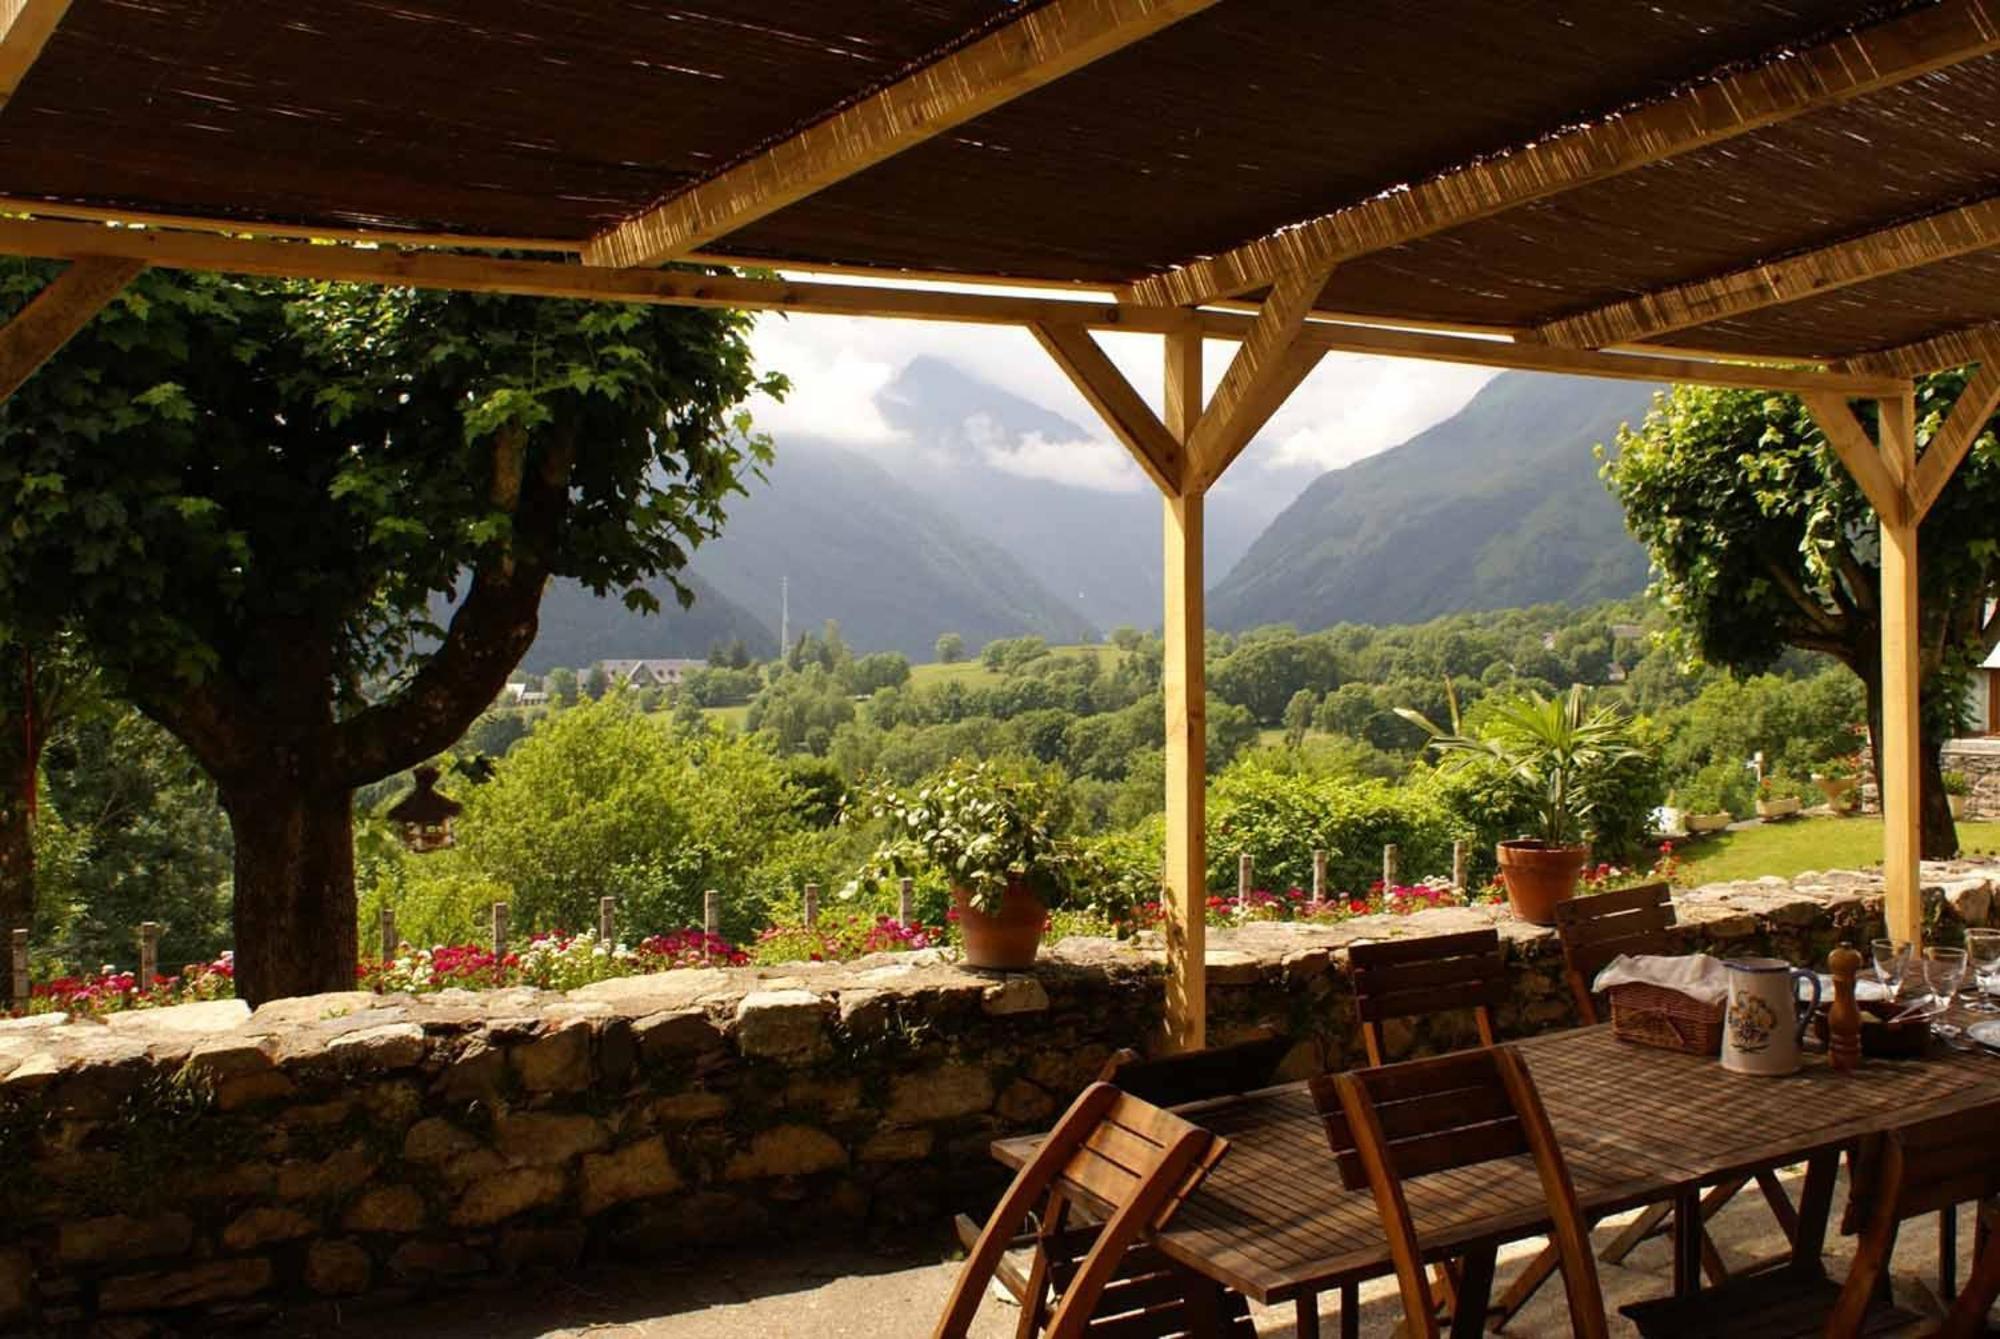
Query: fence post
812	905
711	917
499	930
1459	851
906	902
1319	875
1246	876
389	941
607	917
21	990
1391	859
149	953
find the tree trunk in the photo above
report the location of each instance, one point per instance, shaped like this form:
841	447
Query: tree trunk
294	902
17	884
1938	837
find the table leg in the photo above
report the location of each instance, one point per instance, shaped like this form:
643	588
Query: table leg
1475	1290
1687	1241
1204	1306
1948	1252
1815	1206
1350	1311
1307	1324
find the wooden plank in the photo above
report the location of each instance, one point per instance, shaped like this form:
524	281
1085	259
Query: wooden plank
1961	428
1268	367
25	28
1871	470
1949	348
1730	103
1185	689
61	309
1122	408
1041	46
1874	255
1902	680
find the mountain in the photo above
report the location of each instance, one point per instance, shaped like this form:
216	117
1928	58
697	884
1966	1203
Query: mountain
579	628
1499	505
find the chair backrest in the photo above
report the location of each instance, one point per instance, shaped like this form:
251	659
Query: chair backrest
1127	1160
1395	1123
1598	928
1406	978
1196	1076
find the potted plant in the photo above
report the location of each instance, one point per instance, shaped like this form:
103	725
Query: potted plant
1777	798
1835	779
1956	787
992	835
1706	801
1556	756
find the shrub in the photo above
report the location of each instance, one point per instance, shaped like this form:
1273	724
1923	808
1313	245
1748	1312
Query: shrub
1279	818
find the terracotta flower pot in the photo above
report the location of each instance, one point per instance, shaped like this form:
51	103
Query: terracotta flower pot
1539	876
1007	940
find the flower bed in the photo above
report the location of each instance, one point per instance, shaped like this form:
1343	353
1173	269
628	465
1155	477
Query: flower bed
111	989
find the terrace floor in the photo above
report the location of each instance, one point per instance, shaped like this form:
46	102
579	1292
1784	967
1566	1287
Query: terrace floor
855	1293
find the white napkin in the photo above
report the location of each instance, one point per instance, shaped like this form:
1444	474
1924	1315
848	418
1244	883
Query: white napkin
1865	988
1693	974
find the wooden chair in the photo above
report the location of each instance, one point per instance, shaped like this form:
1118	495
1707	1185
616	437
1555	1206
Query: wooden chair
1392	1125
1922	1168
1410	978
1129	1163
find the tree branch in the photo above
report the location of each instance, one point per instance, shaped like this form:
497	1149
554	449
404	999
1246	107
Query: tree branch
1789	583
1856	577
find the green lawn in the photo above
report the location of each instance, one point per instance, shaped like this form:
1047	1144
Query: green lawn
1801	844
732	717
975	675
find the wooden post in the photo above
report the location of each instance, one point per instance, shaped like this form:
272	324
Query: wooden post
906	902
812	905
499	930
1902	770
22	990
1319	875
607	919
1246	875
1185	688
711	914
389	941
149	953
1391	861
1460	850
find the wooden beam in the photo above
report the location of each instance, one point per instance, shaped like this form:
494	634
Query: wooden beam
1039	47
1901	743
1184	687
1905	246
25	28
1960	429
1875	474
1268	367
1732	102
56	313
1934	353
1123	409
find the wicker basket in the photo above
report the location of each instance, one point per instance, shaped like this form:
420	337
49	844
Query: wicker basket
1656	1016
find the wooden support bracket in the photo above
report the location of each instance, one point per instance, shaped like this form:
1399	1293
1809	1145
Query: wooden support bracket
52	319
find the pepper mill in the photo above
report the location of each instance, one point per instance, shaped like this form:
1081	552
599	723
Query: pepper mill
1843	1017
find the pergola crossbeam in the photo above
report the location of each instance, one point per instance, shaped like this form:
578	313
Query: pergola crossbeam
1041	46
1961	428
1722	107
1950	348
56	313
25	28
1269	365
1879	482
1892	250
1121	407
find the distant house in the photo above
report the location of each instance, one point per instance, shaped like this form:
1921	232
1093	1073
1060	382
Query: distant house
520	695
1628	632
1985	697
650	673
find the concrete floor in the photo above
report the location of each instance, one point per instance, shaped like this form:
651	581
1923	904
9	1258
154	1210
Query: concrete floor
858	1294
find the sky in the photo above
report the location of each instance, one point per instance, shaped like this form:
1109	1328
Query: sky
1351	407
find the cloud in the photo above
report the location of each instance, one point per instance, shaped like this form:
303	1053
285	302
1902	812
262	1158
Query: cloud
1100	465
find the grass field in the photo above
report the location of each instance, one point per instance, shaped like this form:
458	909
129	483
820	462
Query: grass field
1792	847
968	672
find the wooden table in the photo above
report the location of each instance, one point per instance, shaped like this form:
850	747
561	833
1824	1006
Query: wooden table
1637	1126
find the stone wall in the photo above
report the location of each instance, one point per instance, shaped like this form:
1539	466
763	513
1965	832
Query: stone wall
1979	759
193	1168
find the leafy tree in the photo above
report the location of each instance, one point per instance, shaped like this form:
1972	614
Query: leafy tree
1299	716
884	669
246	496
950	648
44	688
596	683
801	709
1009	655
1763	542
564	689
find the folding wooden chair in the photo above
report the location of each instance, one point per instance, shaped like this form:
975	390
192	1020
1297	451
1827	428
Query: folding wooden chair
1410	978
1594	930
1922	1168
1392	1125
1131	1164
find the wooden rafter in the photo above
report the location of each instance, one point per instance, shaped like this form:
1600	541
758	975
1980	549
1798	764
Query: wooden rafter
56	313
1883	486
1934	353
1904	246
1961	428
1041	46
1732	103
1269	365
25	28
1121	407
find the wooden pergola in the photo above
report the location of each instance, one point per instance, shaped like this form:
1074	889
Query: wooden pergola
1799	195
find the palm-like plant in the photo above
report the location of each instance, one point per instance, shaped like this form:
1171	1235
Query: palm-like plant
1556	752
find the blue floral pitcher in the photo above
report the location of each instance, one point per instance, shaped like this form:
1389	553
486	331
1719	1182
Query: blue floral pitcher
1767	1015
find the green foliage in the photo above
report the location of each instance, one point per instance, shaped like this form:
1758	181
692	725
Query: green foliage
1009	655
1800	726
801	709
1280	817
950	648
1717	787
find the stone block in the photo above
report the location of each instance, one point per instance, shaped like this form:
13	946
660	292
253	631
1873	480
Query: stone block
335	1175
227	1057
391	1046
897	1146
477	1074
1022	1103
244	1090
422	1261
215	1281
124	1237
786	1150
435	1139
783	1025
556	1062
939	1094
492	1199
1233	967
263	1225
547	1138
338	1269
636	1171
386	1209
675	1033
831	1097
685	1108
1015	995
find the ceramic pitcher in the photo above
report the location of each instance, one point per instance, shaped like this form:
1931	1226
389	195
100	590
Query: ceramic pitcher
1767	1017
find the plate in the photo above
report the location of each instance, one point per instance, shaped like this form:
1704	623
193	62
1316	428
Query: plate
1986	1033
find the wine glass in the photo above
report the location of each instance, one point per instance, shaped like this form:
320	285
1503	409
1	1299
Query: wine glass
1982	951
1944	968
1891	959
